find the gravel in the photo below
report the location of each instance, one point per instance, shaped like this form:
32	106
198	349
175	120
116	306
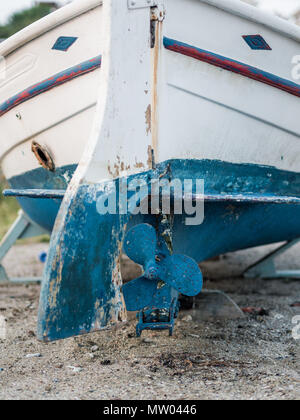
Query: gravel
251	358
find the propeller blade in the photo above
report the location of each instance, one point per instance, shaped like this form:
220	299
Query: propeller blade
140	244
182	273
138	293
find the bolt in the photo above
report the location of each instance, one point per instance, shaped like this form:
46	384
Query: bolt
151	273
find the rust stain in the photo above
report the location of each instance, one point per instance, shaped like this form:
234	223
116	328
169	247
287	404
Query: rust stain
154	113
43	156
148	119
150	157
109	170
139	165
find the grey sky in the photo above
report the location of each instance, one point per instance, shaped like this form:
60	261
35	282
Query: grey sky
283	6
286	7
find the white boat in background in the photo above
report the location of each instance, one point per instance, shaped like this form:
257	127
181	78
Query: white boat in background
48	93
188	89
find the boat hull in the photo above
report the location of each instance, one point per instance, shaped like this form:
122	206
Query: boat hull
205	104
47	90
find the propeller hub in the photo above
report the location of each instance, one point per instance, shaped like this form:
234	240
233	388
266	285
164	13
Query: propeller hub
152	273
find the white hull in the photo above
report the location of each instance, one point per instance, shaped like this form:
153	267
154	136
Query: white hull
61	118
204	111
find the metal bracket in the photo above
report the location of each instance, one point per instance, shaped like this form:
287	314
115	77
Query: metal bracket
140	4
265	268
159	319
158	13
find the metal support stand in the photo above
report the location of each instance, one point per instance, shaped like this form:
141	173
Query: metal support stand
265	267
22	228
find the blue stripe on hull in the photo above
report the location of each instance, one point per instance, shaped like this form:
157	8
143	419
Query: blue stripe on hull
232	65
227	226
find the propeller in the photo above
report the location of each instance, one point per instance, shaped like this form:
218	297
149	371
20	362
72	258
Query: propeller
160	269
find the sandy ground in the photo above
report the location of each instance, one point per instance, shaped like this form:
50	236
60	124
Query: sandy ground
254	357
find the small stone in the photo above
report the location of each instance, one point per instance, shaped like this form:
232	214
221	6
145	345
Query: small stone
147	341
75	368
29	356
187	318
94	348
91	355
48	388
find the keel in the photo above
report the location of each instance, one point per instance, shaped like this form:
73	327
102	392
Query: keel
82	280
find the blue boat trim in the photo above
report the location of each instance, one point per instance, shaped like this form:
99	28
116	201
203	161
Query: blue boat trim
233	66
63	43
238	198
50	83
247	198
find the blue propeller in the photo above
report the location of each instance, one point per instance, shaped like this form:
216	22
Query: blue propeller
160	269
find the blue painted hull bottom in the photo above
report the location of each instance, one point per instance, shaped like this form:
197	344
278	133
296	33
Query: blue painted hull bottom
227	226
81	286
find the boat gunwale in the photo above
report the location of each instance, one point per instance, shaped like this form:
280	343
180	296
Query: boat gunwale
75	9
46	24
247	11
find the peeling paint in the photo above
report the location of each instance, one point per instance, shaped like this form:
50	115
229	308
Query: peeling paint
148	119
150	157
